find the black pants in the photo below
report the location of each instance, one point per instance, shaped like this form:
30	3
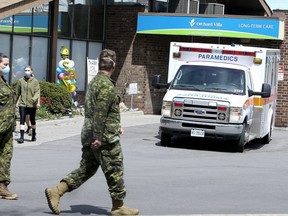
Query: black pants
25	111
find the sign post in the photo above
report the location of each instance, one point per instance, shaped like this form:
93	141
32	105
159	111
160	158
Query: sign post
132	90
92	69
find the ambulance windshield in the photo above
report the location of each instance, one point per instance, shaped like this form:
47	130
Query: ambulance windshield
210	79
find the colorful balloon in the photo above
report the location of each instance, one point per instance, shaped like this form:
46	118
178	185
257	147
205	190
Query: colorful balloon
71	64
74	94
60	64
59	70
66	73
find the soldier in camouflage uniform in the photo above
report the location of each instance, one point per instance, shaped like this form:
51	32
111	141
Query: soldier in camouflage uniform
7	125
100	138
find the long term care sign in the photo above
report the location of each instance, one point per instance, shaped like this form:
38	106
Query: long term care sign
236	27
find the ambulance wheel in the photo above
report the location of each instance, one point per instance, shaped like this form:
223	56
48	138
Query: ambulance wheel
240	143
266	139
165	139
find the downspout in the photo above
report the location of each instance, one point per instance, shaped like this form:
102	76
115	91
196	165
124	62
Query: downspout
54	6
104	25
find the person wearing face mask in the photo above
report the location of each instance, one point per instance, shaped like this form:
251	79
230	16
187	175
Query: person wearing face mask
28	93
28	123
7	126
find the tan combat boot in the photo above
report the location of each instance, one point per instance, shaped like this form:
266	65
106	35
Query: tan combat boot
119	208
5	193
53	196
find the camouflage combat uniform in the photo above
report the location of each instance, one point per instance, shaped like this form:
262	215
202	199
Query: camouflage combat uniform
7	126
102	122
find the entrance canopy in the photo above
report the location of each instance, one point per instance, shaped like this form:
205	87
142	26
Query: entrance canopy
216	26
12	7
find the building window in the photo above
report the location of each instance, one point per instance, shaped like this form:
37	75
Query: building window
23	22
5	44
79	58
5	49
6	24
31	20
94	50
122	2
39	56
23	55
81	19
20	57
40	19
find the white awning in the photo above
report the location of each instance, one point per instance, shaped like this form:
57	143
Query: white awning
12	7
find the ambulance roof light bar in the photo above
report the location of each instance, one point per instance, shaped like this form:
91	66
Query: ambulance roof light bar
225	52
192	49
256	59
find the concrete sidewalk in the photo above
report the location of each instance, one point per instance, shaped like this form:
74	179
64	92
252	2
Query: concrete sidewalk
51	130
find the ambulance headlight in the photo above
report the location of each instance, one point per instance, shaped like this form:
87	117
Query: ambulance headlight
166	109
235	114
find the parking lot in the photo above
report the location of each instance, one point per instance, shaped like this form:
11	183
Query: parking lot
190	178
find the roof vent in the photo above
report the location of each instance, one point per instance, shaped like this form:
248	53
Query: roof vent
184	6
211	8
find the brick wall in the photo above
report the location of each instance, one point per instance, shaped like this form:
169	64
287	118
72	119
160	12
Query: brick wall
139	57
282	97
120	36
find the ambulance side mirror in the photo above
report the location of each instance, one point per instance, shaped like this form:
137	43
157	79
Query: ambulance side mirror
265	91
156	82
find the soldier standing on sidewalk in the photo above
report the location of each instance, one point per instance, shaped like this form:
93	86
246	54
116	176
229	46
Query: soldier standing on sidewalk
7	125
101	141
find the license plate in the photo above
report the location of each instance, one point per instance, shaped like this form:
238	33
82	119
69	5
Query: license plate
197	133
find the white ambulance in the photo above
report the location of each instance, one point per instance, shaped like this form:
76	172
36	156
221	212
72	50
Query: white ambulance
219	91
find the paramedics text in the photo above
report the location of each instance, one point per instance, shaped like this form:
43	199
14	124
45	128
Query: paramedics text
218	57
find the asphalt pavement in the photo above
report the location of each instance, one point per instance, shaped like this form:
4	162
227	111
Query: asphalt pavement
160	180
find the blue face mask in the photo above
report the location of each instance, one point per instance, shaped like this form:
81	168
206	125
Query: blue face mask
6	70
27	74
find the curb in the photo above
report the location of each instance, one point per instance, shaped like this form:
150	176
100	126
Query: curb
132	112
67	119
281	128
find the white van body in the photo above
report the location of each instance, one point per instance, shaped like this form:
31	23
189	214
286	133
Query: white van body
218	91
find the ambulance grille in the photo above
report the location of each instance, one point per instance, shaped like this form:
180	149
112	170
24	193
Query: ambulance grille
201	111
190	111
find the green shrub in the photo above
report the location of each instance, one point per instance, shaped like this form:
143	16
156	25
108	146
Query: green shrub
43	113
55	99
